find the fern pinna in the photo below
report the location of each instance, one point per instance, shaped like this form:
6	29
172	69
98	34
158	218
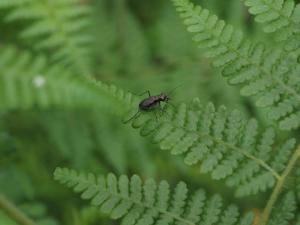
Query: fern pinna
269	75
149	203
223	143
28	82
57	26
282	18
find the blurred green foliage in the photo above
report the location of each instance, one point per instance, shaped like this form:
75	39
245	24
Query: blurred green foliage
137	45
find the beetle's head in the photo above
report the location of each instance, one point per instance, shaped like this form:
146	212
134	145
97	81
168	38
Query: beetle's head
164	97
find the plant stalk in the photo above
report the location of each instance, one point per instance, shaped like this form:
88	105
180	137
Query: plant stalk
279	186
13	212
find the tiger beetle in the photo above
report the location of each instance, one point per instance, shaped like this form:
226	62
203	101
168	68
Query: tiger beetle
151	103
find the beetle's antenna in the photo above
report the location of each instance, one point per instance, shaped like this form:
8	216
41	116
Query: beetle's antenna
172	90
133	117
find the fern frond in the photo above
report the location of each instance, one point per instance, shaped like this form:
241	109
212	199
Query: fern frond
58	26
271	76
281	17
297	173
26	82
149	203
285	210
224	143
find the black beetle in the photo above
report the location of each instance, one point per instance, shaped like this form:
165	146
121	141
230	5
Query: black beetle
150	103
153	102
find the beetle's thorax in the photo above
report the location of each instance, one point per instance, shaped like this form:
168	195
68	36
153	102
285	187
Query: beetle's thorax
163	97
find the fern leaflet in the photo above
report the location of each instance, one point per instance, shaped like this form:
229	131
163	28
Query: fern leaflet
285	210
58	26
222	141
26	82
280	17
271	76
149	203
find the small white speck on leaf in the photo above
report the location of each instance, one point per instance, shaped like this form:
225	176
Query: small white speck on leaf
39	81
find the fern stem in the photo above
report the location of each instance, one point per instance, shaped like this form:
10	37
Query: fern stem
244	152
13	212
170	214
278	188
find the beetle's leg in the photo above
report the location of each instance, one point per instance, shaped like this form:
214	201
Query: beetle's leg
162	110
133	117
165	109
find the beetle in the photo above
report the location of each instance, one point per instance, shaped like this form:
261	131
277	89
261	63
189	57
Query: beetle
150	103
153	102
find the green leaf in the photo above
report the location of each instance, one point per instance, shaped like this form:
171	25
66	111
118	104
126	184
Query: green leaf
58	26
148	205
267	74
27	82
221	143
277	16
285	210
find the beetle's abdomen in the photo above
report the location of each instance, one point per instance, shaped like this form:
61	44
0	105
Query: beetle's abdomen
148	104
